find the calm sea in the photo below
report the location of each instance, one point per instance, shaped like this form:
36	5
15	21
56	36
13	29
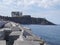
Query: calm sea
50	33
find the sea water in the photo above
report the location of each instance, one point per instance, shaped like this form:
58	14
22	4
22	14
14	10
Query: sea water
50	33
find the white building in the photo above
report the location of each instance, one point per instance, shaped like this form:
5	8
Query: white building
16	14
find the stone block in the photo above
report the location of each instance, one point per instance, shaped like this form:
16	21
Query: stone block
14	35
25	43
2	42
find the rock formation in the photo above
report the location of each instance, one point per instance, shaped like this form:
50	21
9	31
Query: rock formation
15	34
27	20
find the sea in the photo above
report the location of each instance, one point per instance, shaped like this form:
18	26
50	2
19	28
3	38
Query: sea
49	33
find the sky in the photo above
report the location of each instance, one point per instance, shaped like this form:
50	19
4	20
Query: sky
49	9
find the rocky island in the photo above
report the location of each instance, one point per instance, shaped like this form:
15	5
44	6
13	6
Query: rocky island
26	19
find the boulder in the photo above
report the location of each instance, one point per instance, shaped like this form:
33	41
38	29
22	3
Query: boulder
25	43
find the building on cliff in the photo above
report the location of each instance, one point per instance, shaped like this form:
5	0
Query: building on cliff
16	14
18	17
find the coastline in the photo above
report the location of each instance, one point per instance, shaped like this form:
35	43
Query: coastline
27	20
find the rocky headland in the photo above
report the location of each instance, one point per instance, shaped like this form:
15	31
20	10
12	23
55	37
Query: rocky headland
27	20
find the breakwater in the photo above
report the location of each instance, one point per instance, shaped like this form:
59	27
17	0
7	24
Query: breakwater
15	34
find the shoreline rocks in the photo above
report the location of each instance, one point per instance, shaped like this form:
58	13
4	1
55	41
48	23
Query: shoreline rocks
19	35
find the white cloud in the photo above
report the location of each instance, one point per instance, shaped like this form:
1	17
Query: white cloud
27	3
6	2
42	3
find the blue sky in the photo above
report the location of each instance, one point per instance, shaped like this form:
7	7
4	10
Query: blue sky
49	9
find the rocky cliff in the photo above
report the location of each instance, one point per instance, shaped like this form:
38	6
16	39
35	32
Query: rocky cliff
27	20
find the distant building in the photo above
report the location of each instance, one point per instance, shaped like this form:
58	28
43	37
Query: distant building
16	14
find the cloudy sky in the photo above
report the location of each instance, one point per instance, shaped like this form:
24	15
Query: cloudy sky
49	9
